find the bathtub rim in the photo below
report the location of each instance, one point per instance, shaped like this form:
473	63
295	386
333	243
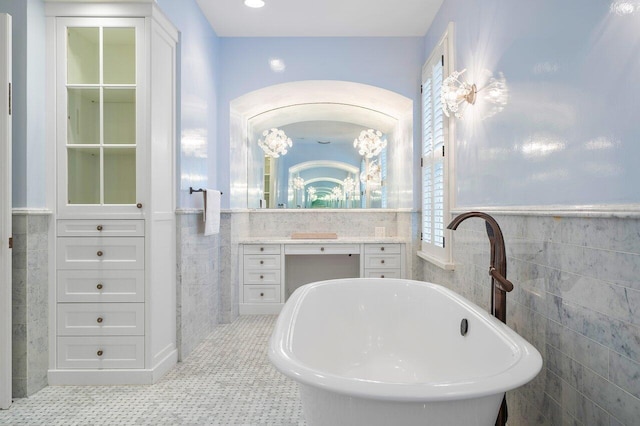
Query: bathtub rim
526	366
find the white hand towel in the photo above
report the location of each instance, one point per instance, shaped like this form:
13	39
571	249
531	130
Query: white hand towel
211	214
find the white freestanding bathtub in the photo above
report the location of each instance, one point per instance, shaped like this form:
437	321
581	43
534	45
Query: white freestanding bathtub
371	351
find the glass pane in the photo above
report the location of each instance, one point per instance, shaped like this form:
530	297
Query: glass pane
119	55
119	116
83	116
84	175
119	176
83	56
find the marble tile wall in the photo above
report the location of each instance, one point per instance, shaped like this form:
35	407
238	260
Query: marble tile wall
30	304
198	301
576	299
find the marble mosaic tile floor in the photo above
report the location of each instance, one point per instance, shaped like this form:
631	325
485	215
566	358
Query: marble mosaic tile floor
227	380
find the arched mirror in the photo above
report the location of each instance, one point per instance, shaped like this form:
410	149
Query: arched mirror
319	164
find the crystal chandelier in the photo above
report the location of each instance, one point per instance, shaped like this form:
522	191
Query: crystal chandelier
370	143
336	193
372	175
455	92
312	193
275	143
298	183
349	185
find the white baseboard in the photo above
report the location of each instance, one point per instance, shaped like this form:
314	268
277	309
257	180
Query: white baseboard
90	377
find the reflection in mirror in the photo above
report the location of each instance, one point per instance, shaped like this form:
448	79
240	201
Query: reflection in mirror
337	158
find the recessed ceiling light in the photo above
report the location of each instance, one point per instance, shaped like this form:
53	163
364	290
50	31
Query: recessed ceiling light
254	3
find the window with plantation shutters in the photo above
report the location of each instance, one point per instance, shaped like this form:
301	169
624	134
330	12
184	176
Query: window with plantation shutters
435	162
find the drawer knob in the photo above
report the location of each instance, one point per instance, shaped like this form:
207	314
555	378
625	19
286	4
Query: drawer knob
261	294
99	286
382	261
381	248
99	353
99	227
99	320
262	262
261	248
99	253
261	276
139	205
381	276
321	248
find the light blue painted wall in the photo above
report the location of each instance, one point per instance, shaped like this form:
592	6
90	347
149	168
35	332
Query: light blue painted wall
28	102
391	63
198	88
569	133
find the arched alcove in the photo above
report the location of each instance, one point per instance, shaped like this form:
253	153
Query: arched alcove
368	105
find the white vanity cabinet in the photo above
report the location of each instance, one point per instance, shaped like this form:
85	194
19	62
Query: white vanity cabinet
383	261
268	274
262	276
113	105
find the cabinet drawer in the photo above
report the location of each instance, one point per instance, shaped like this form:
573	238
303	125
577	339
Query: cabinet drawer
262	294
261	249
104	228
382	273
101	352
100	319
322	249
100	286
382	248
100	252
262	277
262	261
382	261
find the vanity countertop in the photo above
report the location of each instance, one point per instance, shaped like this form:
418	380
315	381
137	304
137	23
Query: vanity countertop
339	240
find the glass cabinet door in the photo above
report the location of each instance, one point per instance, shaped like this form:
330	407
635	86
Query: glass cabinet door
101	90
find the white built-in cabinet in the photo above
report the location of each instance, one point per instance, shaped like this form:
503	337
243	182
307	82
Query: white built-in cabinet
113	315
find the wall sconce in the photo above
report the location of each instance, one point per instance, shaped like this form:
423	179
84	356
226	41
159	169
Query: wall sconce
455	92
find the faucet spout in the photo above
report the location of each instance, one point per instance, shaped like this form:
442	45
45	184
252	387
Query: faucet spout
500	285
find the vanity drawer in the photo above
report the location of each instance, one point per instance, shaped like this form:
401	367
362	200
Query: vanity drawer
262	294
101	352
382	273
262	277
322	249
382	261
100	252
261	249
97	228
100	319
382	248
100	286
262	261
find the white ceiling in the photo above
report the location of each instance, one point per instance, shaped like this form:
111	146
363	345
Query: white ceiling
321	18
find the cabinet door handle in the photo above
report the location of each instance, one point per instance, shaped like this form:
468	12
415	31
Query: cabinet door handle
261	276
261	248
381	248
99	320
99	253
382	261
321	248
139	205
261	294
99	286
99	353
262	262
381	276
99	227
